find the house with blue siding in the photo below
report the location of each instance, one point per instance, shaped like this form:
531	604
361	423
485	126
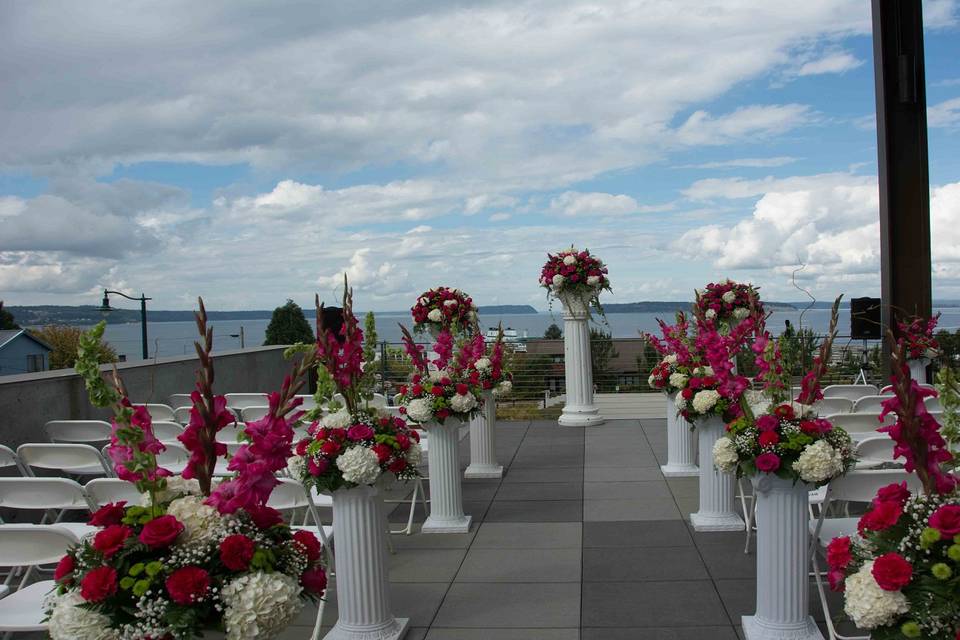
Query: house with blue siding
22	352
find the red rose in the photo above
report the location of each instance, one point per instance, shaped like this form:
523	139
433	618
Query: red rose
415	435
264	517
946	520
835	577
317	466
330	448
487	385
694	383
403	389
236	551
785	411
896	492
892	572
110	540
768	438
397	466
838	553
687	393
443	413
437	390
301	449
322	433
768	462
809	427
161	532
383	452
403	441
416	390
310	544
108	514
882	516
314	580
187	585
99	584
462	389
360	432
65	569
767	423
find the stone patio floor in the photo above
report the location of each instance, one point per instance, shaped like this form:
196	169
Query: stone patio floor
583	538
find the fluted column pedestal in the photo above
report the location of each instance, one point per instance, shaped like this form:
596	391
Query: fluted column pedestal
483	442
446	494
783	587
579	410
363	591
717	511
918	369
681	444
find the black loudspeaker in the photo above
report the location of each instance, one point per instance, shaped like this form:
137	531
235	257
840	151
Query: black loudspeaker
865	321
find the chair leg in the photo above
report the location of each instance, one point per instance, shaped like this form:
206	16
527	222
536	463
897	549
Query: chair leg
319	622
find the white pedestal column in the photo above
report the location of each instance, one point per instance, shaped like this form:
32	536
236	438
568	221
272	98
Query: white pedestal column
783	587
918	369
483	442
681	444
446	494
363	593
579	410
717	512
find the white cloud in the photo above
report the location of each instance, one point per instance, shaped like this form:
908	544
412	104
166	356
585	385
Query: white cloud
364	274
944	114
838	62
751	122
573	203
777	161
499	217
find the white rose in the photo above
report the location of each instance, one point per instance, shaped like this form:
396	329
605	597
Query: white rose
740	313
705	400
359	465
68	621
420	410
558	280
201	522
463	403
260	605
338	420
651	380
482	364
569	260
423	301
593	280
435	315
818	462
680	402
710	314
414	455
725	455
436	375
729	297
670	358
867	604
678	380
449	303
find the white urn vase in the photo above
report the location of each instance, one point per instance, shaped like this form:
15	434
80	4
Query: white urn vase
446	493
717	500
483	442
579	409
783	549
681	444
363	590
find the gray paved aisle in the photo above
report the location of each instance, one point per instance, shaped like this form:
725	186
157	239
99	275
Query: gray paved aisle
583	538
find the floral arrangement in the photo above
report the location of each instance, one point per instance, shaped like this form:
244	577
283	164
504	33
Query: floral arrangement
354	446
448	387
900	573
193	557
444	308
673	371
918	337
726	303
575	272
489	371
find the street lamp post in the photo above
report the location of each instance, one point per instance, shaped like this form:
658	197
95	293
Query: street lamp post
105	307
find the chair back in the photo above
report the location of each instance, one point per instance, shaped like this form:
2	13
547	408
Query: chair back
870	404
182	414
242	400
175	457
89	431
849	391
230	434
860	485
828	406
42	493
378	401
251	414
288	495
167	431
103	491
859	422
887	390
309	402
876	451
160	412
179	400
65	457
8	458
27	545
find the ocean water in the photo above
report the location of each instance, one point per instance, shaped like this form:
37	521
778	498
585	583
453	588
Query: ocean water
176	338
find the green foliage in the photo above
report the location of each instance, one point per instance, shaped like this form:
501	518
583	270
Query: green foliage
288	325
948	385
949	346
87	362
368	383
66	343
553	332
797	349
6	319
602	351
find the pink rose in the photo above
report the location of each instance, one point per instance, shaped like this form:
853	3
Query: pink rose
767	423
896	492
360	432
946	520
768	462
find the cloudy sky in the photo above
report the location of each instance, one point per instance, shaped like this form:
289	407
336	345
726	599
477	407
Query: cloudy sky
251	152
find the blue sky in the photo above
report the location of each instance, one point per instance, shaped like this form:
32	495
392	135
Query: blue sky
249	156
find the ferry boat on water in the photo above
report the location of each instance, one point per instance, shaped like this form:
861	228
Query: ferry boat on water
510	338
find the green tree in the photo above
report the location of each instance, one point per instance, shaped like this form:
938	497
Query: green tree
949	346
6	319
369	382
288	325
65	341
553	332
602	351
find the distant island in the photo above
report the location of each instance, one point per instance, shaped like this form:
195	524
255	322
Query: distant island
672	307
34	316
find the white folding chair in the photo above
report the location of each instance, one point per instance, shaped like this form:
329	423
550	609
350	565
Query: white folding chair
174	458
876	452
859	425
167	431
8	458
827	406
378	401
291	496
94	432
849	391
182	414
251	414
230	434
26	545
179	400
856	486
419	492
242	400
870	404
308	401
53	496
103	491
160	412
887	390
69	458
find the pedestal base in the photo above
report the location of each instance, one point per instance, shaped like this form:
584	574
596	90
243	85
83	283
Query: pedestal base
483	471
394	631
588	418
756	629
433	525
680	470
711	522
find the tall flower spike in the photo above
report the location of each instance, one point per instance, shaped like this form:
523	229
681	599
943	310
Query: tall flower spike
810	390
414	351
341	352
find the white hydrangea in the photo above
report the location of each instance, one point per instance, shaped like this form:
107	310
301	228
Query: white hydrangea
260	605
462	403
297	466
569	260
740	313
503	388
651	380
704	371
201	522
593	280
338	420
710	314
359	465
729	297
420	410
818	462
435	315
176	486
558	280
414	455
482	364
678	380
680	402
670	358
68	621
436	375
704	401
725	455
867	604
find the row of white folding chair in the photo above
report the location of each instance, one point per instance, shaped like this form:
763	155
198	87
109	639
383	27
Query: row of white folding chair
378	401
54	497
9	458
870	404
851	392
828	406
876	451
69	458
889	388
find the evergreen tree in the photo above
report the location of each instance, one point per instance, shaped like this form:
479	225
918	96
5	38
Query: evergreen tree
553	332
6	319
288	325
602	351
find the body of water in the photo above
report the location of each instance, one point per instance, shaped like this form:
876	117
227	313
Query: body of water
176	338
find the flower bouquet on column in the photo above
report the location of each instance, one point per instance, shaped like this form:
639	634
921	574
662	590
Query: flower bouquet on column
440	397
192	558
576	278
727	303
901	573
444	308
494	380
921	346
